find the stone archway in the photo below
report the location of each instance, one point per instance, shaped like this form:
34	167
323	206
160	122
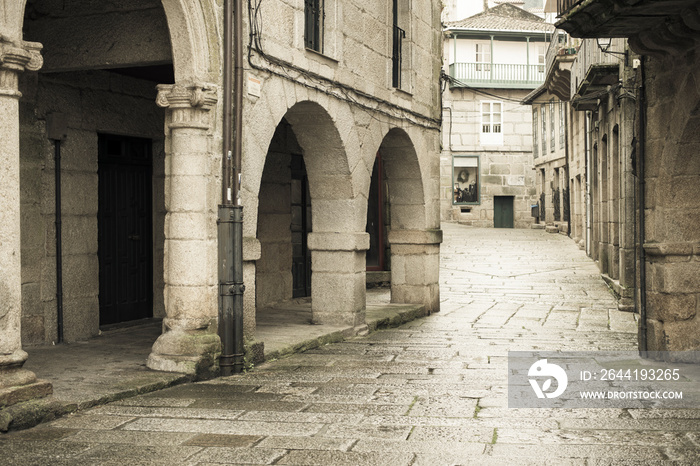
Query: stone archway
414	240
189	343
338	241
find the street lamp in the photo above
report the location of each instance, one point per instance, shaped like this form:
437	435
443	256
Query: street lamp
603	43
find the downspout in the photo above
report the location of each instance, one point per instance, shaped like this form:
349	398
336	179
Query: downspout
230	221
643	346
56	130
566	155
589	206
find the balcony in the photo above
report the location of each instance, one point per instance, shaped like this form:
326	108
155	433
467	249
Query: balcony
653	26
595	70
561	54
496	75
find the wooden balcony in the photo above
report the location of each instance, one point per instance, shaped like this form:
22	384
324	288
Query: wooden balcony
653	26
496	75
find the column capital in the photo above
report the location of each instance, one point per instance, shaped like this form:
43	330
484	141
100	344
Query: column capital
189	103
14	58
20	55
193	95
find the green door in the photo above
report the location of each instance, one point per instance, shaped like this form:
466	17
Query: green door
503	211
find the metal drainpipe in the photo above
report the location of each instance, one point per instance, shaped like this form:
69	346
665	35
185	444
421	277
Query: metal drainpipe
230	221
566	155
642	207
589	206
56	130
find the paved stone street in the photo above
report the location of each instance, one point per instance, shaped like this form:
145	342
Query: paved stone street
431	392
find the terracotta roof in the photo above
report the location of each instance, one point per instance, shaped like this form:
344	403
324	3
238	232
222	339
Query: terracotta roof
505	17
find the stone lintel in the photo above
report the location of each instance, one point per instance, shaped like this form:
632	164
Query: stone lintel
415	236
337	241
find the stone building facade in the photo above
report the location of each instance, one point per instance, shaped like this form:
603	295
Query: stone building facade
664	159
129	95
549	152
585	112
492	61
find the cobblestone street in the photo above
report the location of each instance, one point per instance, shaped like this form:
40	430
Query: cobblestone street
431	392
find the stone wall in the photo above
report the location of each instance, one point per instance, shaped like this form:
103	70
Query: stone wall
93	102
672	215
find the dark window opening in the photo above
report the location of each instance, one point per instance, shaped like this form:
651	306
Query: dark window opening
313	32
396	59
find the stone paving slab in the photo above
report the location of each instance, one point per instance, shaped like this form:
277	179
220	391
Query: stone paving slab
431	392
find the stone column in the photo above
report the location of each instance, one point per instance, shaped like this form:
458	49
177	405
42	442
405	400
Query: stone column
338	278
415	266
16	384
189	342
673	299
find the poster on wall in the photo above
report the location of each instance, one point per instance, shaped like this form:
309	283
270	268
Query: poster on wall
465	179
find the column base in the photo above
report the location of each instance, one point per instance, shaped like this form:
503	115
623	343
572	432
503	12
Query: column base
20	393
17	384
339	319
193	352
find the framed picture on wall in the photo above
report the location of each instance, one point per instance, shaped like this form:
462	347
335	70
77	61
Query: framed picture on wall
465	180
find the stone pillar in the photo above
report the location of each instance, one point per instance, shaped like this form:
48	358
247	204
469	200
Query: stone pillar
415	266
189	342
16	384
673	298
338	278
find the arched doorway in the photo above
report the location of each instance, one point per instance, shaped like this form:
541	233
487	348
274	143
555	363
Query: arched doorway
413	235
309	210
99	75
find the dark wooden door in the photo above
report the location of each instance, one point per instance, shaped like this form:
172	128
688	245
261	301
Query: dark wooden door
301	227
375	219
503	211
124	222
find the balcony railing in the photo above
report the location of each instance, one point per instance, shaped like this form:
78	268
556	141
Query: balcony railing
561	44
497	75
590	54
564	6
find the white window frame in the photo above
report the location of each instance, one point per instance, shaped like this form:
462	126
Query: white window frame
491	126
552	133
562	124
543	112
535	131
541	58
483	56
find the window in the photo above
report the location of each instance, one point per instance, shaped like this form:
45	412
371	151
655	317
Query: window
465	179
551	125
491	121
483	56
401	65
396	54
535	130
562	125
541	58
544	129
313	32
